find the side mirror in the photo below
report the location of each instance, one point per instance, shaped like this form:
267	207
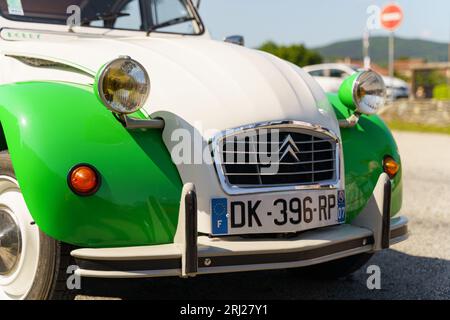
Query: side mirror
239	40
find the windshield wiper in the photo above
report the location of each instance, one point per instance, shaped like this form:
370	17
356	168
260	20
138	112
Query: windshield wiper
169	23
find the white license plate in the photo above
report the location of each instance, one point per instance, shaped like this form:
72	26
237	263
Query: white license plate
277	213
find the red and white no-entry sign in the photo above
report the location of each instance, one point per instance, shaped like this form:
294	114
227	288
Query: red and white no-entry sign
391	17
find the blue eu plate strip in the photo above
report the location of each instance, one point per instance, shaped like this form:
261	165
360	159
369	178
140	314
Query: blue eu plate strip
219	208
341	206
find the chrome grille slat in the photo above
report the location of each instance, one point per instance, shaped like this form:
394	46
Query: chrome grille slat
282	163
313	154
275	143
264	153
277	174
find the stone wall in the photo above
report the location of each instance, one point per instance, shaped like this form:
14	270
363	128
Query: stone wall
427	112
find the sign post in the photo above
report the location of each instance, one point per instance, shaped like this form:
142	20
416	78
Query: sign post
366	45
391	54
391	19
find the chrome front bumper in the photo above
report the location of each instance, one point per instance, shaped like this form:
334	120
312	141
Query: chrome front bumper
192	255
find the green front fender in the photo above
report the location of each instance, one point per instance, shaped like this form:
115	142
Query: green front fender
365	147
49	128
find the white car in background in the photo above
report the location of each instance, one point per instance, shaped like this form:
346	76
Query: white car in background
331	75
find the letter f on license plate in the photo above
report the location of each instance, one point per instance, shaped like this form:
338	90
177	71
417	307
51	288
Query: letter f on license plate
219	216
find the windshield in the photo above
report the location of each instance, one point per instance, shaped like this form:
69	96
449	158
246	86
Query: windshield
171	16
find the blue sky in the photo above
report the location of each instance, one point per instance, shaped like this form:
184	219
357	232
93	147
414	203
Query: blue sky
318	22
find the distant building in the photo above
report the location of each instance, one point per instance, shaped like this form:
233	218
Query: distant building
404	67
426	77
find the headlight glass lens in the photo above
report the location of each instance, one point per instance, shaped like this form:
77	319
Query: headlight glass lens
124	86
369	92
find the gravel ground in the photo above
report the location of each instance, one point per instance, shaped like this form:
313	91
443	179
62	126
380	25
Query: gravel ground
416	269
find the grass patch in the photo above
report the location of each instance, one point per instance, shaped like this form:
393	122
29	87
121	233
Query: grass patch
405	126
441	92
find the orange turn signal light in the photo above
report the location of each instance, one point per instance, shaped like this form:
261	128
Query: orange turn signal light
391	167
84	180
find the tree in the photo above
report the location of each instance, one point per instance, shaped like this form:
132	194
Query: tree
297	54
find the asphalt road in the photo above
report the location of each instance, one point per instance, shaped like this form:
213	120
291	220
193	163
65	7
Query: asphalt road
416	269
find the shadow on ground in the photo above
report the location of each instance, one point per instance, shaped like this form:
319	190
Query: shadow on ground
402	277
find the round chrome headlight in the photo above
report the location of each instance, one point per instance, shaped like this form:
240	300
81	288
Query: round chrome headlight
364	92
369	92
123	85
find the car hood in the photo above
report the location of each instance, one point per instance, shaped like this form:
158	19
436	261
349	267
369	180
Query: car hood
209	84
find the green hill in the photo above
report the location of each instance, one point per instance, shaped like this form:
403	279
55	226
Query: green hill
412	48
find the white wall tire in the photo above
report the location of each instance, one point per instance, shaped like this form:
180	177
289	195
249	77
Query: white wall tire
30	261
16	282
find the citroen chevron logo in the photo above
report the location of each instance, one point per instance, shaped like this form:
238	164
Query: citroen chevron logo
289	147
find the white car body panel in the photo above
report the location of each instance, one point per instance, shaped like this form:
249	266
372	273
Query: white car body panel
210	75
198	84
329	84
206	90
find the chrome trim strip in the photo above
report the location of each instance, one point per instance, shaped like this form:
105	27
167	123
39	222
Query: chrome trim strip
284	124
50	63
255	152
65	33
287	163
396	240
280	174
132	124
296	142
399	230
284	265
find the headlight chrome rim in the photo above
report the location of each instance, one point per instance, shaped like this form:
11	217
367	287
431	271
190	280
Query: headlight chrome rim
100	84
368	110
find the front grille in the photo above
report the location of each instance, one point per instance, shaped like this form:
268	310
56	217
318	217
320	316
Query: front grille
277	157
